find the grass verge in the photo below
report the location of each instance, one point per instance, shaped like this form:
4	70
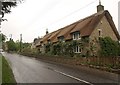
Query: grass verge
7	74
0	69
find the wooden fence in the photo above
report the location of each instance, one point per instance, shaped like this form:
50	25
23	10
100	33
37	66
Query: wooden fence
110	62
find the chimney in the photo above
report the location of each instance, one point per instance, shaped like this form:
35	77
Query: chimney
100	7
47	31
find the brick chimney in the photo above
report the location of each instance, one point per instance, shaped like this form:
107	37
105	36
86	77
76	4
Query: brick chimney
47	31
100	7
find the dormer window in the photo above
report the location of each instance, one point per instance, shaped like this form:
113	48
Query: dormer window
61	39
49	41
76	36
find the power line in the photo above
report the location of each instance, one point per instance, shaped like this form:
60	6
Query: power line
73	12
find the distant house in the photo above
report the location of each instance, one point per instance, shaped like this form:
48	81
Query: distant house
93	27
35	43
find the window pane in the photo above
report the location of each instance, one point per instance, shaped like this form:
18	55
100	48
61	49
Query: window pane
77	48
73	36
80	49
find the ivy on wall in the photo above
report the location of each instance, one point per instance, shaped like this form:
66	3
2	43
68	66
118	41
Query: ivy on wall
109	47
61	48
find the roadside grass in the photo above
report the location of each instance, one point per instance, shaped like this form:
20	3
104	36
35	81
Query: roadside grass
0	69
7	74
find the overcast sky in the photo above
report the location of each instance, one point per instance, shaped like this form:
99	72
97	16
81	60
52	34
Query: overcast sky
33	17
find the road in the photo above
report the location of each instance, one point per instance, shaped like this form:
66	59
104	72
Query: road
30	70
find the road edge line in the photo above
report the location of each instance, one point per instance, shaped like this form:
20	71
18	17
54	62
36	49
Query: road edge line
73	77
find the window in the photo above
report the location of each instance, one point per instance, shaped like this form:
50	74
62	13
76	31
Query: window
100	32
77	49
42	45
76	36
49	41
61	39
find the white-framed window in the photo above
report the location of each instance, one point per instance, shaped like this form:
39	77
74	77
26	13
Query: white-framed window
77	49
76	36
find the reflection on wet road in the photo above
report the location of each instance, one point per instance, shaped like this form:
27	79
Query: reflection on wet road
27	70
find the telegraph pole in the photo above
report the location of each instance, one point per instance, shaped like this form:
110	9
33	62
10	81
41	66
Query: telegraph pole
20	42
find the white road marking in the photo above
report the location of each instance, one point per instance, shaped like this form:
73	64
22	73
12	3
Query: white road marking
73	77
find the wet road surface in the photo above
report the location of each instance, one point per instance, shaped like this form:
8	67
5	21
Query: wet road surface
30	70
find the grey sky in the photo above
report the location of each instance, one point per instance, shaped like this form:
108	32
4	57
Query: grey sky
33	17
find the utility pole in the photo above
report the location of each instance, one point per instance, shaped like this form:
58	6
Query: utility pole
20	42
10	36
